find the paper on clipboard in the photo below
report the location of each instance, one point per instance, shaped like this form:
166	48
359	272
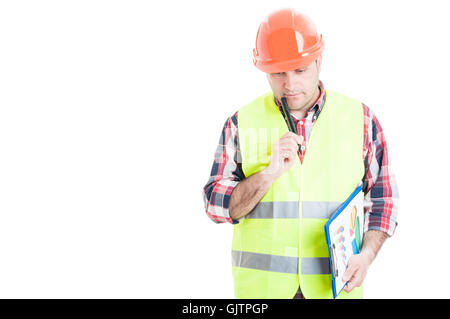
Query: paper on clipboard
344	233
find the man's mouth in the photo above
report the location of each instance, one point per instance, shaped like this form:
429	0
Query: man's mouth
292	94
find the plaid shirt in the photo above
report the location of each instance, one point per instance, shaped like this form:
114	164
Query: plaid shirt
381	200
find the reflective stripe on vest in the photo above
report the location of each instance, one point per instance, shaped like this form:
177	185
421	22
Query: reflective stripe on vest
322	210
283	264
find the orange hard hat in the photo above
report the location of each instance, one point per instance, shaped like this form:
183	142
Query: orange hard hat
286	40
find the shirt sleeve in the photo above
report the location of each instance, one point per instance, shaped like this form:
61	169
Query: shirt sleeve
226	173
381	200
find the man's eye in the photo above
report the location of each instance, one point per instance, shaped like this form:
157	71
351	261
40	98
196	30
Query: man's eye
300	70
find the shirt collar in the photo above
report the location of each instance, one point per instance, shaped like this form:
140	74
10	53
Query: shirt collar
315	110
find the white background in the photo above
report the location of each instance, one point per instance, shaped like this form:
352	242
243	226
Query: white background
110	113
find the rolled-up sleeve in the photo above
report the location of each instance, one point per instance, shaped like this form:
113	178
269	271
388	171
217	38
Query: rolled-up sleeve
226	173
381	201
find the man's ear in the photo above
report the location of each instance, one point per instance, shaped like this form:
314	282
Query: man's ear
319	63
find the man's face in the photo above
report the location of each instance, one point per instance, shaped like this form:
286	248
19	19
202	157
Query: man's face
299	87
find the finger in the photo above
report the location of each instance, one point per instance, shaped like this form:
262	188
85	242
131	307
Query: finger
291	144
297	139
350	279
286	155
355	281
349	287
349	272
288	152
358	278
293	136
292	150
289	134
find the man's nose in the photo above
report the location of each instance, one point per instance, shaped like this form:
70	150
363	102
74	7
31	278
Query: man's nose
290	81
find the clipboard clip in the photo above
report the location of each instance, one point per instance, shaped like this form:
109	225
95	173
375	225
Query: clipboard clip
333	261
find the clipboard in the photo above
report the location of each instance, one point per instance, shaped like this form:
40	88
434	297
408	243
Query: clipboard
344	233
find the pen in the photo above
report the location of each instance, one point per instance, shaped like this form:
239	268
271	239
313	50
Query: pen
287	117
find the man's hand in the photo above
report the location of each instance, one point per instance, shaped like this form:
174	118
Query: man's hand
247	194
284	154
356	271
358	264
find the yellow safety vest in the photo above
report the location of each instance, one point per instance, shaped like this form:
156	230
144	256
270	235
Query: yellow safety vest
281	244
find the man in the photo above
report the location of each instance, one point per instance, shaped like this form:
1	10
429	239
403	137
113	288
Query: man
279	188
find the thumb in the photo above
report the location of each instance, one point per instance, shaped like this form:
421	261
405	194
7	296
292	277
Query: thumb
348	274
